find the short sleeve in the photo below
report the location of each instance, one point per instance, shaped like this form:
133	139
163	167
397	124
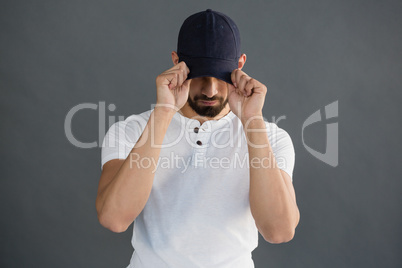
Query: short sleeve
282	146
121	138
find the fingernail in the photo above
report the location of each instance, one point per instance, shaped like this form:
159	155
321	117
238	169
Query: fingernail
235	84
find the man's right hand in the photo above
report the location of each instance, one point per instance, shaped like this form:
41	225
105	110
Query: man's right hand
172	87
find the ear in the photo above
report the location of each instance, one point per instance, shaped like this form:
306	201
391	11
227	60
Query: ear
242	60
175	58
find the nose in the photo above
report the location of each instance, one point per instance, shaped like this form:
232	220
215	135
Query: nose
210	86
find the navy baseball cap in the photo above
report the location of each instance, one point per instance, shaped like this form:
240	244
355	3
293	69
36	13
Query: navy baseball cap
209	44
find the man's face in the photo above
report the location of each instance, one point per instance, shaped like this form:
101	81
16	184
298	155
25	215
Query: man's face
208	96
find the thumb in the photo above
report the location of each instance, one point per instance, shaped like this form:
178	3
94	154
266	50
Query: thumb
231	88
186	84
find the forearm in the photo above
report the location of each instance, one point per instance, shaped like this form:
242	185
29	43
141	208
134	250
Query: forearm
272	205
126	195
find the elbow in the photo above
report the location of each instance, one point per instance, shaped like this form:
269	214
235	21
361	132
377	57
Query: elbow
113	221
277	237
113	225
114	218
280	234
117	228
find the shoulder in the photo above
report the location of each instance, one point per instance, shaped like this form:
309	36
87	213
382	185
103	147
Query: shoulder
129	129
137	118
277	134
133	122
280	141
282	147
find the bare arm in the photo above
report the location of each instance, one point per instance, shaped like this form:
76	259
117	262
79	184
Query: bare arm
121	200
124	186
272	196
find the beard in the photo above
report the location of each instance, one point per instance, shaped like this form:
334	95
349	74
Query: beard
205	110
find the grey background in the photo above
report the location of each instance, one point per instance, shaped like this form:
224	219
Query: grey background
55	55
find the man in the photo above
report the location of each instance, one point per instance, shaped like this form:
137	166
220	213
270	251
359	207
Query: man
202	172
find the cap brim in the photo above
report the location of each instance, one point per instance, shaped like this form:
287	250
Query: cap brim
218	68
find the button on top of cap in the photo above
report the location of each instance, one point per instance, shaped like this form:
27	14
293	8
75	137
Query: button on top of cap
209	10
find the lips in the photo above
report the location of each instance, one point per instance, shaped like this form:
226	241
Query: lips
209	103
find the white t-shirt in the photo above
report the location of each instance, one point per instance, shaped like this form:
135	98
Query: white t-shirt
198	212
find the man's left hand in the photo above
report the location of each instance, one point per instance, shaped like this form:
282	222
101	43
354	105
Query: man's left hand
246	96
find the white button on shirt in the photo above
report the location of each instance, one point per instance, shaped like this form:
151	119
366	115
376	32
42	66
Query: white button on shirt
198	212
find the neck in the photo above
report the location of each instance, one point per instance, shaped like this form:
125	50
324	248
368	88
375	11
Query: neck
188	112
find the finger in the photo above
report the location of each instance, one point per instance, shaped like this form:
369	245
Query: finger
231	89
185	85
172	78
179	75
242	83
177	66
180	66
233	77
250	86
184	74
238	75
183	66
